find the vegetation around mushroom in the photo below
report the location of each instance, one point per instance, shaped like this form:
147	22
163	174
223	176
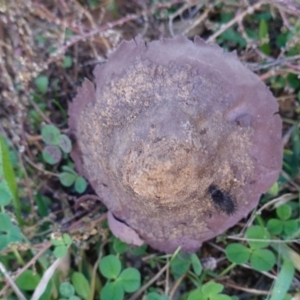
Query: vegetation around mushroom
55	242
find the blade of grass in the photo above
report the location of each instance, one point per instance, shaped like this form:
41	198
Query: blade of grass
283	280
7	172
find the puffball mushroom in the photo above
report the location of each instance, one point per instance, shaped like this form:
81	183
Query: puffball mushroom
178	139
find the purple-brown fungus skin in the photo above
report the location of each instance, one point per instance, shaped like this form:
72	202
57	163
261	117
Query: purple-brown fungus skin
166	121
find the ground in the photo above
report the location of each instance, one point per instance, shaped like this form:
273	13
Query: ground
53	230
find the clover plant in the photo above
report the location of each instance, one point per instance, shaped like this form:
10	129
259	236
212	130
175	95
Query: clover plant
61	244
209	291
119	281
56	144
69	177
284	223
261	259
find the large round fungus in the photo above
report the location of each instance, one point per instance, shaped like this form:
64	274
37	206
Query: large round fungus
179	140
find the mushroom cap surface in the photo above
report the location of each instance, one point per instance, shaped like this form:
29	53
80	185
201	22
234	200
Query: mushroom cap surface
178	139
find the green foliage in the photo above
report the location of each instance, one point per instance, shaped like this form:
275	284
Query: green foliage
264	36
67	62
80	184
52	155
112	290
182	263
40	39
156	296
7	177
230	37
128	280
81	285
38	213
292	157
237	253
209	291
95	3
28	280
277	82
43	203
293	81
110	266
69	33
260	259
139	250
258	237
9	233
5	196
66	289
50	135
119	246
8	185
283	280
56	144
65	143
69	177
284	224
273	191
196	264
61	244
42	83
233	36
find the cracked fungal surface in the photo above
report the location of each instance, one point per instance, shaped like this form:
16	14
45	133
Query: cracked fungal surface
166	122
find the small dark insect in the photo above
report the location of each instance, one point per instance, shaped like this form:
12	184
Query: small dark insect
222	200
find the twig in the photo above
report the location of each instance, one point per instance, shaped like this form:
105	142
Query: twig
177	13
199	20
94	271
288	5
248	290
265	240
11	282
262	272
176	285
107	26
273	63
84	198
149	283
167	286
46	246
290	180
239	17
285	20
43	13
39	111
75	227
33	138
85	12
48	274
282	199
273	73
286	137
40	169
